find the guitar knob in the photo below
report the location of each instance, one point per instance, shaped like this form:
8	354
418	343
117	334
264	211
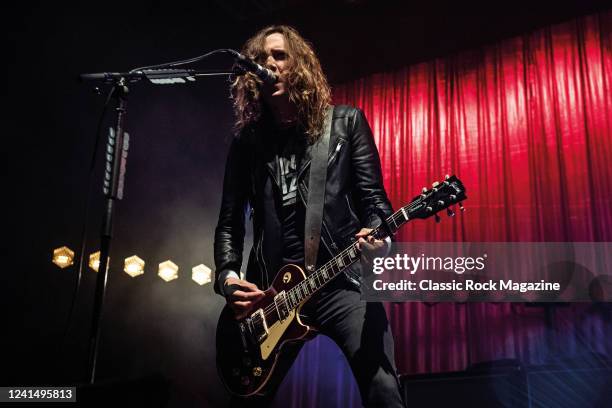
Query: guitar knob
450	212
257	371
245	380
437	218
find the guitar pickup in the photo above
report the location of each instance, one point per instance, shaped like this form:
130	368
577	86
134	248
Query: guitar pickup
259	326
282	309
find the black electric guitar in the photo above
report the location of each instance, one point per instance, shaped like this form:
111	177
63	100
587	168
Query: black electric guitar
247	349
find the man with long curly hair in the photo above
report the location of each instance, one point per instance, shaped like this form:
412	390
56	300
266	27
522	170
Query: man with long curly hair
267	171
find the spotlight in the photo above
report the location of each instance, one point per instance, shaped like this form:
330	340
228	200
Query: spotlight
168	271
134	266
201	274
63	257
94	261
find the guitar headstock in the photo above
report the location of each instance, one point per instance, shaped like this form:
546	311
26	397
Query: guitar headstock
442	195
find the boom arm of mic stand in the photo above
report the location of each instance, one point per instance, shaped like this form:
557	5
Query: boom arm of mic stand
155	76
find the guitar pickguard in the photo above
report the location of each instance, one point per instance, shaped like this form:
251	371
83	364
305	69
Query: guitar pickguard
275	333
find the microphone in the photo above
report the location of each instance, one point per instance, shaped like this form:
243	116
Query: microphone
245	64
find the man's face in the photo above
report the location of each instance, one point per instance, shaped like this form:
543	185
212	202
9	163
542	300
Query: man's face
276	59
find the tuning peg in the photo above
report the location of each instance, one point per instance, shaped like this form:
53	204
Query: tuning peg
424	190
437	218
435	184
453	197
450	212
429	209
440	203
461	207
446	177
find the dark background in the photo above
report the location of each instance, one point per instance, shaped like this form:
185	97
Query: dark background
179	139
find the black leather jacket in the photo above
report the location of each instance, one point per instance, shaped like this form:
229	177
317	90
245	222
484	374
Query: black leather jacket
354	188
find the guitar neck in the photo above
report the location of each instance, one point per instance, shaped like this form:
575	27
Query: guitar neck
326	273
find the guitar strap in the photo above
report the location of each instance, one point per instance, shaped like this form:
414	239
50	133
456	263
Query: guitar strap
316	194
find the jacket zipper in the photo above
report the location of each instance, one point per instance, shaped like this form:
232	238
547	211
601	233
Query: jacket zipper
336	151
350	207
260	258
329	161
331	240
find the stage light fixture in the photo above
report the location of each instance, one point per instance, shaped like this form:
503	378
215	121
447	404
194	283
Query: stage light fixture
201	274
168	271
63	257
134	266
94	261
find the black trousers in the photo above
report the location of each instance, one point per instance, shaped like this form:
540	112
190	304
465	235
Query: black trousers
362	332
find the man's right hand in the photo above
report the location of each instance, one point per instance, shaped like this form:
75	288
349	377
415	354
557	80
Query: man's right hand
241	295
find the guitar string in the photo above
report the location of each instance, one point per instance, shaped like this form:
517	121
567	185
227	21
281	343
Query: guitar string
329	265
317	274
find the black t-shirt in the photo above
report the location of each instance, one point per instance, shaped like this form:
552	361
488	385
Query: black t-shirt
290	147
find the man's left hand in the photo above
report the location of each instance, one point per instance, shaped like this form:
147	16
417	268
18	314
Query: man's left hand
369	246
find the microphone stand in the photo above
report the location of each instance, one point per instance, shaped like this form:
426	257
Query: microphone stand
114	176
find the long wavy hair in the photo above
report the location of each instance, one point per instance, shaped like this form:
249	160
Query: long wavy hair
307	86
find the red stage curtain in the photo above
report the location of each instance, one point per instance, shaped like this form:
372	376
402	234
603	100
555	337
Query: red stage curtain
527	125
